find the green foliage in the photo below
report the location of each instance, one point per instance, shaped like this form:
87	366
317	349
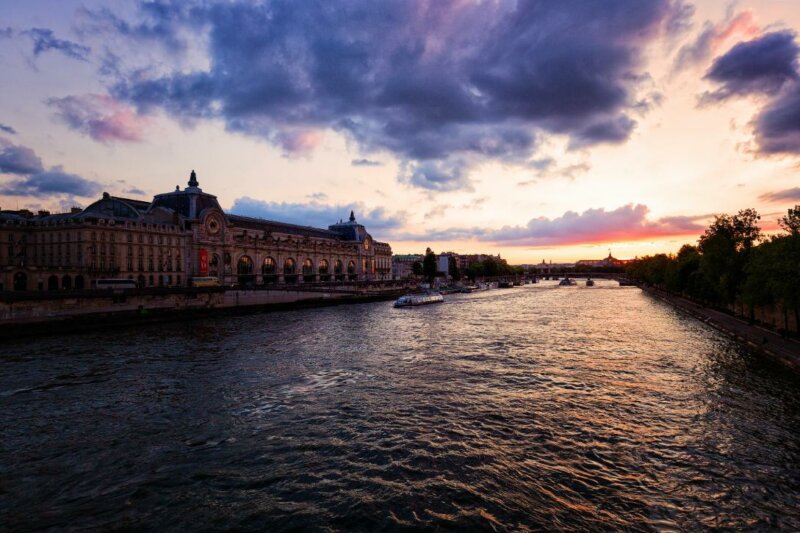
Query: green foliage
429	265
730	265
452	268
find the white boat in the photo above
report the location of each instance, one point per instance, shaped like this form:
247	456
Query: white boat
567	281
413	300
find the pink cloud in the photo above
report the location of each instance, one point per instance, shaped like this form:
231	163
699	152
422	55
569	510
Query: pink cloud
101	117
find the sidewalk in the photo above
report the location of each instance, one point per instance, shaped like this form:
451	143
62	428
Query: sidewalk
784	351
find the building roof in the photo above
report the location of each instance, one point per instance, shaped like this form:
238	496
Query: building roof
281	227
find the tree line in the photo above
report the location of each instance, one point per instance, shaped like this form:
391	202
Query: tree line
734	263
490	267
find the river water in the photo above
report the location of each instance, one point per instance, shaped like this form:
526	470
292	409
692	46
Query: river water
538	407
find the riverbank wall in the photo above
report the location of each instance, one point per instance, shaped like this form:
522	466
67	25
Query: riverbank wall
45	313
768	343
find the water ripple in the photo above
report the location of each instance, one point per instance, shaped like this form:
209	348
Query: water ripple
522	409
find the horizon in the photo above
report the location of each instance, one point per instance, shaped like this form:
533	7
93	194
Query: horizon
528	139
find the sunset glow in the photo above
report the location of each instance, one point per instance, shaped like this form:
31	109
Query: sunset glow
537	131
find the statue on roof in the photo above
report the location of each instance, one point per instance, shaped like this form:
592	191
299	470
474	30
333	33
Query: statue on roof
193	180
352	216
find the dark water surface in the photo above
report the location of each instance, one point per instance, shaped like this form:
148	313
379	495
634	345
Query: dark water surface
531	408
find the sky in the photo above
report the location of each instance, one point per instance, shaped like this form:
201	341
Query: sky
539	130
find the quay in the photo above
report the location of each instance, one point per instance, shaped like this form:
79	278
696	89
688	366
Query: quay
35	313
781	350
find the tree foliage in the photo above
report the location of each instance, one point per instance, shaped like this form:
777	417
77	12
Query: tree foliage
733	263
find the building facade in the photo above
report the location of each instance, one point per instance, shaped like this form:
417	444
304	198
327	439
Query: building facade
177	236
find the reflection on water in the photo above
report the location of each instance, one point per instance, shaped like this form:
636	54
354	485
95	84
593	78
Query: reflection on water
534	407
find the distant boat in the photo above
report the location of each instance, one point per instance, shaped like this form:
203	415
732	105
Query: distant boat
567	282
505	285
413	300
590	282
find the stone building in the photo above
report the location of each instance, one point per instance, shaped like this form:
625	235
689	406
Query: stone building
177	236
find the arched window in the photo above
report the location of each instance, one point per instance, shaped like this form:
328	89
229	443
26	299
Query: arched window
338	269
268	266
80	283
66	282
324	270
52	283
20	281
244	269
351	270
213	266
308	270
140	281
289	268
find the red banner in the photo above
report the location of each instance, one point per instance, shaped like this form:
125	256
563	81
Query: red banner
203	262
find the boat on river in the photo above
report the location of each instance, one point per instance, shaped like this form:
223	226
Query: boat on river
413	300
590	282
567	282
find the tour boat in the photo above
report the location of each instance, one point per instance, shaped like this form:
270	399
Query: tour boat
413	300
567	281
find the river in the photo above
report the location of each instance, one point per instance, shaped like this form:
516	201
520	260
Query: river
538	407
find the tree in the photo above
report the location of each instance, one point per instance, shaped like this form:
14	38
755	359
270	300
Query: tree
475	270
725	248
452	268
429	265
416	268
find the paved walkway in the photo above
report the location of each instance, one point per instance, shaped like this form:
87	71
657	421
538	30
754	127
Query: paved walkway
785	351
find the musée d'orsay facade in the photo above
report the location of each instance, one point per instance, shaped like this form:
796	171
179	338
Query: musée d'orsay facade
178	236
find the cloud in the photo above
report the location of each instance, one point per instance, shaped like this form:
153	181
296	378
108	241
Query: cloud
318	214
35	180
135	190
44	40
436	176
777	126
47	183
760	66
365	163
791	195
768	66
627	223
100	117
714	36
612	131
15	159
427	81
7	129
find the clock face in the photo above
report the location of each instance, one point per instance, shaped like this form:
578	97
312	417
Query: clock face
213	226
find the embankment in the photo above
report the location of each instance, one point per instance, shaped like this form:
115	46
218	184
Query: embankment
59	313
782	350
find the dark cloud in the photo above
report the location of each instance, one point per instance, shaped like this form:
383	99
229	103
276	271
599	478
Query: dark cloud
365	163
135	190
378	220
435	176
777	126
44	40
786	195
7	129
427	81
99	117
15	159
760	66
52	182
612	131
